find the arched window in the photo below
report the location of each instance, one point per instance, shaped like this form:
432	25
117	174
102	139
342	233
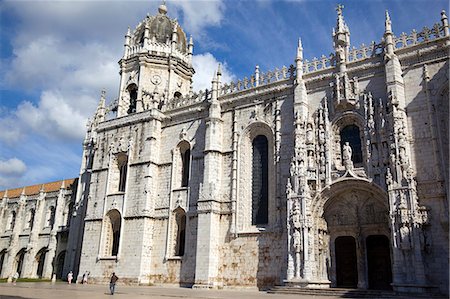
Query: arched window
181	232
185	162
40	259
260	182
351	135
133	91
51	217
122	163
177	95
2	260
112	223
18	261
12	220
31	219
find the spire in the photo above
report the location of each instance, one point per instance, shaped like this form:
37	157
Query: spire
299	59
388	23
340	24
300	49
444	21
388	36
219	73
341	38
63	184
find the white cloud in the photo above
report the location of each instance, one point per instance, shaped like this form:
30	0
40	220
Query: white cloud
12	167
200	14
205	65
63	55
53	116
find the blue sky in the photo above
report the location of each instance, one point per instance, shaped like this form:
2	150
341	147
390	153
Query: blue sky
57	56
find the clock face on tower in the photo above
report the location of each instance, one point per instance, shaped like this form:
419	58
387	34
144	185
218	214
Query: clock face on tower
156	79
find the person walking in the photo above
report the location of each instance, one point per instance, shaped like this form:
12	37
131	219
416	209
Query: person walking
85	277
112	283
15	277
70	277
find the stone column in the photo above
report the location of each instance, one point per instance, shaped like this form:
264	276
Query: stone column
207	260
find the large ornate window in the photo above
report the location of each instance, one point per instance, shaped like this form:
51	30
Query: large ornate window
351	135
260	182
255	196
111	233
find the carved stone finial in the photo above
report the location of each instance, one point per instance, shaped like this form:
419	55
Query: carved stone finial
388	23
162	9
339	8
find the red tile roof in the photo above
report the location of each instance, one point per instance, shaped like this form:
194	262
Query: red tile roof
34	189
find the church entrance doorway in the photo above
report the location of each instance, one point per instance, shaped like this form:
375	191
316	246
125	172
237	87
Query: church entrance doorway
379	262
346	262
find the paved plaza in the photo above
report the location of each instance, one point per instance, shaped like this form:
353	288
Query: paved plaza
64	291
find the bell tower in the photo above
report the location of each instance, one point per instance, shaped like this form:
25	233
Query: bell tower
156	66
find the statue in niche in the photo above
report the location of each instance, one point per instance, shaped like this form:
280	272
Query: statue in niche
322	162
309	134
298	244
292	169
347	156
289	189
380	115
321	134
296	215
311	164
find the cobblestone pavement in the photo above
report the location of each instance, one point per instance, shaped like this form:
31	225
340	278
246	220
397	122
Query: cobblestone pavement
42	290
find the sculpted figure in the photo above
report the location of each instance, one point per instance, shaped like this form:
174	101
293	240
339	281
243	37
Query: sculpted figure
347	156
309	134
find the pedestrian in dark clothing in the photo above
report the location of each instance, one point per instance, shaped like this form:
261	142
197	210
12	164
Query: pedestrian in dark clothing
112	283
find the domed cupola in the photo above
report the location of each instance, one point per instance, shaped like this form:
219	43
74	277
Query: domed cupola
157	63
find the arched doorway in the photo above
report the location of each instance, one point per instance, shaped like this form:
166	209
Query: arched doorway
19	261
40	259
379	262
354	210
2	260
346	262
60	264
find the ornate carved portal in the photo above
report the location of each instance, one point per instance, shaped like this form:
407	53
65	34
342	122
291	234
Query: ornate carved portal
358	229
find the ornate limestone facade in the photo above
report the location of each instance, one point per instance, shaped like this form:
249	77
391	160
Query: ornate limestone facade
327	173
37	224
